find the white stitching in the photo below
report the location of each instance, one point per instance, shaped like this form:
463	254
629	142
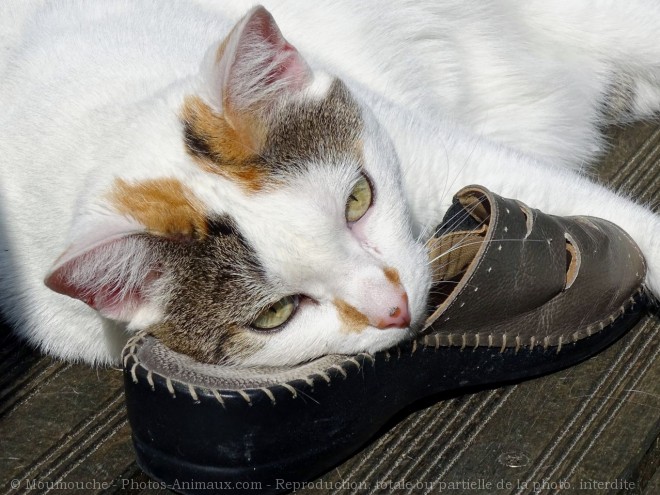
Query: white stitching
494	220
293	391
437	337
168	383
309	381
368	356
218	397
150	380
193	392
353	361
133	374
269	394
324	375
245	396
340	369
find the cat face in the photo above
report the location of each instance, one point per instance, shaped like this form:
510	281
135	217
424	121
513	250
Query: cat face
290	240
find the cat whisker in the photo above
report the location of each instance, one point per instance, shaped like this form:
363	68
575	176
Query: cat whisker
459	246
450	186
455	220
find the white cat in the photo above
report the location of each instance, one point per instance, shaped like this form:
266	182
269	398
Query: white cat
261	198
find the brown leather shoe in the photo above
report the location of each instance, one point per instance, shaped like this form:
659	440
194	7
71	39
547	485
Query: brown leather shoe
512	276
518	294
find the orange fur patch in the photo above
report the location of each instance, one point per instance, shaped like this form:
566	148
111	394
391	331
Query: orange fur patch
225	146
164	206
392	275
352	319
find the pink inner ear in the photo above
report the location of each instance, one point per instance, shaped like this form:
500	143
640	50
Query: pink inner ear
108	299
112	278
261	62
288	62
289	68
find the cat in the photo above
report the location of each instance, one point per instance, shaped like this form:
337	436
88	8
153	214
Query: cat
255	185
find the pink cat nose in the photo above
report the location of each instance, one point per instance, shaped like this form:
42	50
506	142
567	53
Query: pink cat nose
397	316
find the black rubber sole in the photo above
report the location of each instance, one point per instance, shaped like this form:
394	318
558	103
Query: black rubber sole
266	440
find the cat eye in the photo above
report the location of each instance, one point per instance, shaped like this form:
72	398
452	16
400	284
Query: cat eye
359	200
277	314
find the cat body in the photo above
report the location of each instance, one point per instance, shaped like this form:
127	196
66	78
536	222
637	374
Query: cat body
183	167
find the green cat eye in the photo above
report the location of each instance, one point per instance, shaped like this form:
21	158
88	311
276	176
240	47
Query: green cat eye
359	200
277	314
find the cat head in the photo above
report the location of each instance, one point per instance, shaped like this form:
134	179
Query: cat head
277	231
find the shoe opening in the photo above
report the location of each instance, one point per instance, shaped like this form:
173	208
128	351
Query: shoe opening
572	261
456	244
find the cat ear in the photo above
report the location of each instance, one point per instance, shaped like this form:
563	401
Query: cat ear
254	64
114	276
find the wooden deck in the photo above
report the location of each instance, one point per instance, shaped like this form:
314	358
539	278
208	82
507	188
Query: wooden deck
592	428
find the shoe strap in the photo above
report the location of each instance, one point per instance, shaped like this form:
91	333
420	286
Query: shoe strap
521	275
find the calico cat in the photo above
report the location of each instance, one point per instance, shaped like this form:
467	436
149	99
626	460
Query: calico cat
256	192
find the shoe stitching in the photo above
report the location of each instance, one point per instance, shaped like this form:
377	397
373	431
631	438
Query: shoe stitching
553	341
193	391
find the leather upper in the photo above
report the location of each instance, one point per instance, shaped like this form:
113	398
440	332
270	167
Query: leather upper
535	279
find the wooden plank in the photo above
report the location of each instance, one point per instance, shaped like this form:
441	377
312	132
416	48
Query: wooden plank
577	430
62	422
593	424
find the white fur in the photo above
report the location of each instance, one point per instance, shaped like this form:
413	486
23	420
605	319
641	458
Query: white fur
505	94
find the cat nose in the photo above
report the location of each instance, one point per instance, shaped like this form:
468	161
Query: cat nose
396	316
